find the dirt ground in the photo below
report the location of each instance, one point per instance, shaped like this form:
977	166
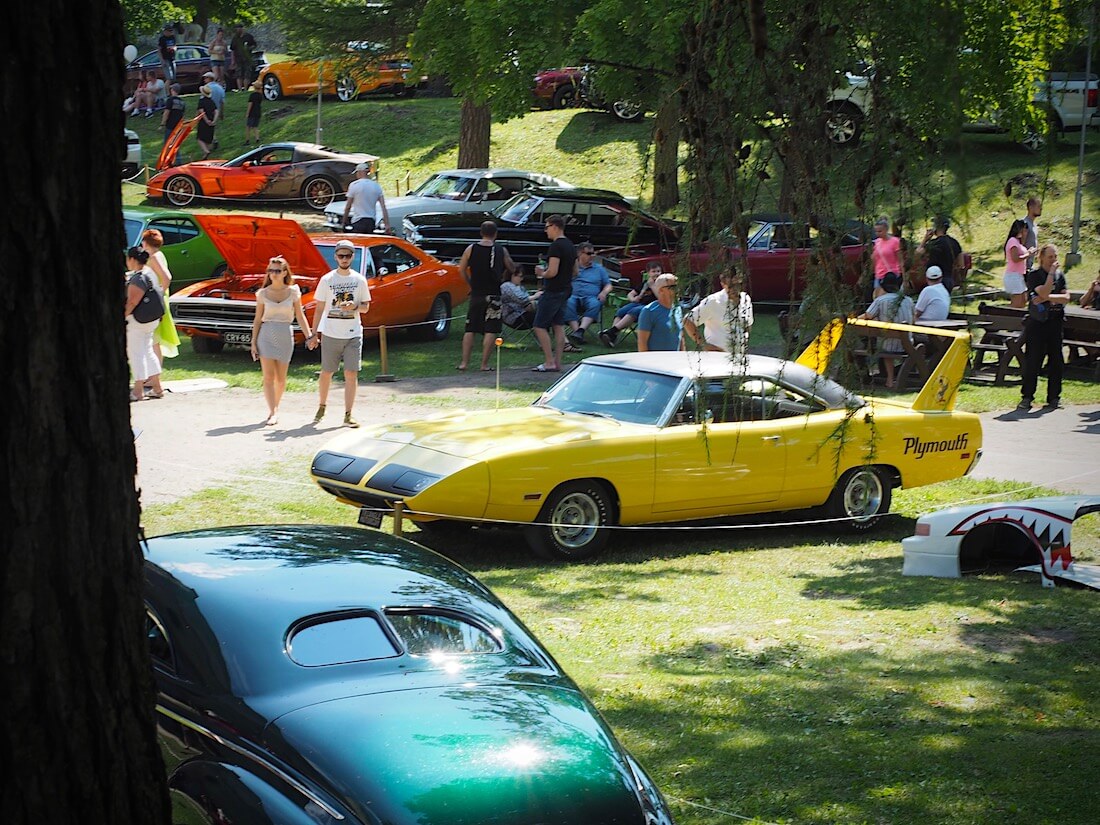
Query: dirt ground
197	437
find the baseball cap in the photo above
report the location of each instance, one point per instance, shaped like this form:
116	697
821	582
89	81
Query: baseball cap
345	244
208	74
933	273
362	167
665	279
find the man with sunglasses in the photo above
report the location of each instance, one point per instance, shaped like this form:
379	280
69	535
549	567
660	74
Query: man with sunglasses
342	296
661	323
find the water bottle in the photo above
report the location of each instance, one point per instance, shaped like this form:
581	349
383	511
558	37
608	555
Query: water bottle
542	263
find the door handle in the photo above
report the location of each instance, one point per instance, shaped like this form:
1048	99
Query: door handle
772	438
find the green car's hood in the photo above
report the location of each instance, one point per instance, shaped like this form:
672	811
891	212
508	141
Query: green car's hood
483	434
468	754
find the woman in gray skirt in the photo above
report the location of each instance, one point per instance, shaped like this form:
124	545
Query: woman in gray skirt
278	303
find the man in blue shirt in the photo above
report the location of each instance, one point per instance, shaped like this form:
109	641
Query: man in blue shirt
591	286
661	323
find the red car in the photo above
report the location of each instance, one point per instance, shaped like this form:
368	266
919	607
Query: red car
409	288
779	253
558	88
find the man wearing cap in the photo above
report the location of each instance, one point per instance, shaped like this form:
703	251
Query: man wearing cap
217	94
363	199
661	323
934	302
166	47
726	317
342	296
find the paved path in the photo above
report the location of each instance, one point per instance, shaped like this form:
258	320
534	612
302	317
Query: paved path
191	440
1056	448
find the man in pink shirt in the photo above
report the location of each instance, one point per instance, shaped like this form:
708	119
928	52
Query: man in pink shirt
886	254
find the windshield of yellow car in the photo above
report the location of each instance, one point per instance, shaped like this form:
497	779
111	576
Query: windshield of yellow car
620	394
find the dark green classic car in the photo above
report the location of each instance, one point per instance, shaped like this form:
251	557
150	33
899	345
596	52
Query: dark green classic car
319	675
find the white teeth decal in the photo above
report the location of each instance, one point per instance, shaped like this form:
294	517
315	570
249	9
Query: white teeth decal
1049	532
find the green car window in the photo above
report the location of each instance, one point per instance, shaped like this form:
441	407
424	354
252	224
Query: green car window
424	634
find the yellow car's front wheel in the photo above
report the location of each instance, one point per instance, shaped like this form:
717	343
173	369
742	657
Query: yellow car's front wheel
572	524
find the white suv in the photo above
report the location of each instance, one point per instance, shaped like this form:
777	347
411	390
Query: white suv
1067	99
132	164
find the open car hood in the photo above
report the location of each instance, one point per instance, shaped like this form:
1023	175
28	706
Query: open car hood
247	242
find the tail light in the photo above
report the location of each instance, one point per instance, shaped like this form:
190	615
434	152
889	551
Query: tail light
1092	98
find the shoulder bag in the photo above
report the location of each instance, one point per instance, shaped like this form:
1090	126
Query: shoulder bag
151	305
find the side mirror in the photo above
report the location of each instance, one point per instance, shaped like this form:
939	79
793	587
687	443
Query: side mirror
382	272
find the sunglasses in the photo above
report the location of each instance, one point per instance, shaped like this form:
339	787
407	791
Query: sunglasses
273	271
345	254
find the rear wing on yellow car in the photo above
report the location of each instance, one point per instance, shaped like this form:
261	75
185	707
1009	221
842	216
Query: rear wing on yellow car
942	386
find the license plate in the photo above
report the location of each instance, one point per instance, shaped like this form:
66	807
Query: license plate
370	517
237	337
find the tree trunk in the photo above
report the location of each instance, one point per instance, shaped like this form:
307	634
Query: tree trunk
79	730
473	136
666	151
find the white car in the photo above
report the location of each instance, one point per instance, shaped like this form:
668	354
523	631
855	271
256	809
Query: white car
132	164
1032	535
453	190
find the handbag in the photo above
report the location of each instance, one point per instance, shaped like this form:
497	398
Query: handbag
151	306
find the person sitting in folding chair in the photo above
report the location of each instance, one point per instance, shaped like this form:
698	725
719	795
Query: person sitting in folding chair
517	305
591	286
627	315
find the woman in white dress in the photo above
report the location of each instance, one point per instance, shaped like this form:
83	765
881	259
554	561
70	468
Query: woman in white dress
278	304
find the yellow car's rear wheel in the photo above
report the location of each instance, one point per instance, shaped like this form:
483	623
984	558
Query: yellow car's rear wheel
862	495
573	521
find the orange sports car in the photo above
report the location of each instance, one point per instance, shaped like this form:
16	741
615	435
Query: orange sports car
346	78
410	289
290	172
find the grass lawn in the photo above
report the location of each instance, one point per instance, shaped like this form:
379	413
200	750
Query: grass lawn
791	674
775	674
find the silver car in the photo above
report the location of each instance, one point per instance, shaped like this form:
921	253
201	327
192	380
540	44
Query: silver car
453	190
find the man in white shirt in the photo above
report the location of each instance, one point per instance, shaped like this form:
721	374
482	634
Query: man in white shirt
934	302
342	295
364	198
726	317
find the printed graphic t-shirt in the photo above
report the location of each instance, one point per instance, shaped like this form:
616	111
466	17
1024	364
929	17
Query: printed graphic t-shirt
334	289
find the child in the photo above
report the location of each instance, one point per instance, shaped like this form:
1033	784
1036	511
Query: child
252	116
893	308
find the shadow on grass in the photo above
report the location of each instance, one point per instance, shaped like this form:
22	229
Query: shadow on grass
789	734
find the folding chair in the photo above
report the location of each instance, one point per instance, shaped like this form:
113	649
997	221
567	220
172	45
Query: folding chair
517	336
616	300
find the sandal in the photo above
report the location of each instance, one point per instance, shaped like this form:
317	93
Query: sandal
134	398
544	368
572	348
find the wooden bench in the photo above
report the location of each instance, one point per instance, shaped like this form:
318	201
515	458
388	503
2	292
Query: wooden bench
1002	338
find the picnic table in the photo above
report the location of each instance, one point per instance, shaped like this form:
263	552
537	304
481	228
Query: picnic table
1003	335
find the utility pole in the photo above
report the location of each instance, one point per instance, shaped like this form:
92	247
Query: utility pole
1074	256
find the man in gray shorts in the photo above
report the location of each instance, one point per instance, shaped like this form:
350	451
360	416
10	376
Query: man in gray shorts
342	296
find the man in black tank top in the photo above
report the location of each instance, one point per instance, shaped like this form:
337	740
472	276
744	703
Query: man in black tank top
483	265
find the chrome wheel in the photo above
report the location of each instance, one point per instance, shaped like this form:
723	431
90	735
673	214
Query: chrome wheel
272	88
318	192
862	496
572	523
625	110
346	88
181	190
842	127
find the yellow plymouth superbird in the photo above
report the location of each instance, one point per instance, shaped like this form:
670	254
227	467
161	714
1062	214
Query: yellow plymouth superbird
642	438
